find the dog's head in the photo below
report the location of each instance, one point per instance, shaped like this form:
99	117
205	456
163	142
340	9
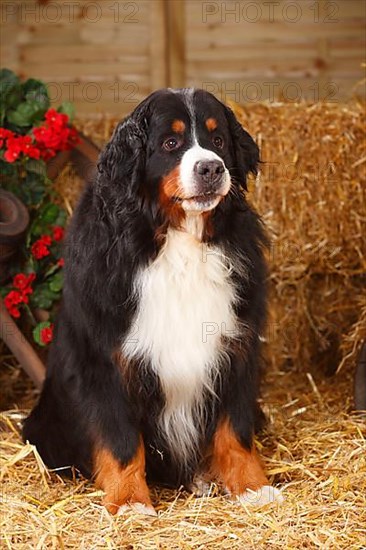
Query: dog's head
182	150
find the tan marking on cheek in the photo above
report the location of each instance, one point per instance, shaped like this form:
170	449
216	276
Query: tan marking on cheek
170	184
170	188
178	126
236	467
211	124
121	484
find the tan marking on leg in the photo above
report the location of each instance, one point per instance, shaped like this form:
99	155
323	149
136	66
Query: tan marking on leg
236	467
121	484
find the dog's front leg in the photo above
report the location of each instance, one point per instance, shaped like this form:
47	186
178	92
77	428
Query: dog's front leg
124	484
234	460
118	448
239	469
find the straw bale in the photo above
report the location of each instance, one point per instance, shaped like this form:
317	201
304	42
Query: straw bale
311	193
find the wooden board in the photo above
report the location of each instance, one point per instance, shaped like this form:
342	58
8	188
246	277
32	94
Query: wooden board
128	49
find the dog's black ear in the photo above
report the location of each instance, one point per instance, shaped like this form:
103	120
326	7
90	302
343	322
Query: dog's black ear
245	149
122	162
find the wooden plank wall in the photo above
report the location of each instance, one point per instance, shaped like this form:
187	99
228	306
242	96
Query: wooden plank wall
107	55
250	51
104	56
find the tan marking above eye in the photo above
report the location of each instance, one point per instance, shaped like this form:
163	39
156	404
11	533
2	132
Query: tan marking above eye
178	126
211	124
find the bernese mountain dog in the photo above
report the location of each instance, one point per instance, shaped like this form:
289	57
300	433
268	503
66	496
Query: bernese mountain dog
154	369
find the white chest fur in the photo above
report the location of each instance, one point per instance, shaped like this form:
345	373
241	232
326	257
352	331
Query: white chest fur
185	306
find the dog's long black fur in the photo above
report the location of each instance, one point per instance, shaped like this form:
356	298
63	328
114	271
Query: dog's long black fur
85	400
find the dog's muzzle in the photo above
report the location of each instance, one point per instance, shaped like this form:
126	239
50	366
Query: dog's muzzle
204	180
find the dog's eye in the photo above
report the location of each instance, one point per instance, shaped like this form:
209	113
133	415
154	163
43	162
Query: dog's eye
218	142
171	143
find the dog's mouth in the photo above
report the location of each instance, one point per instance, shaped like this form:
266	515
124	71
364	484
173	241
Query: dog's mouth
199	203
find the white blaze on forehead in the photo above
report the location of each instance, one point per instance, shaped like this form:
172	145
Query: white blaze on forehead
188	181
186	170
187	95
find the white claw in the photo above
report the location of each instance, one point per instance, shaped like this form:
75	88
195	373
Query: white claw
262	496
123	509
138	508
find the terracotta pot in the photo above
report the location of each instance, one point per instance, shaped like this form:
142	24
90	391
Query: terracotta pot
14	220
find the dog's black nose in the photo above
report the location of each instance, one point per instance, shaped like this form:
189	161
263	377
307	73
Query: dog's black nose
209	171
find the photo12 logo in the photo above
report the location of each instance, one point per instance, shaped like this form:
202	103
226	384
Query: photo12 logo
320	11
68	12
94	92
272	91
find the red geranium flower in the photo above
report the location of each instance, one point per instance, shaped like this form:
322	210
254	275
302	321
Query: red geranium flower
40	247
46	239
54	135
56	119
13	149
20	144
61	262
14	298
50	138
28	149
46	334
58	233
11	301
11	155
23	281
5	134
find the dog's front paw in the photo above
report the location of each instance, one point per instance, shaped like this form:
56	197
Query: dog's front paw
260	497
200	486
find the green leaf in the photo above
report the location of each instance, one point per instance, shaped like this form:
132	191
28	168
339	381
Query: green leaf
36	90
36	166
61	218
7	76
41	301
68	109
10	99
37	332
52	270
8	82
8	170
33	190
57	282
49	213
26	113
37	229
43	297
10	93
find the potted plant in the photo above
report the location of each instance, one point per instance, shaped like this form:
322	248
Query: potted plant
32	136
